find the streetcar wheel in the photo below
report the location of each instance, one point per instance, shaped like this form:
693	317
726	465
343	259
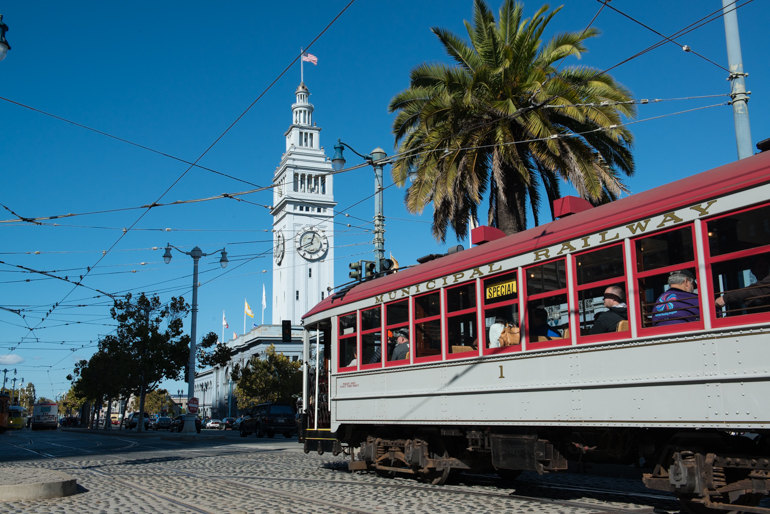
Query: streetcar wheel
435	476
384	473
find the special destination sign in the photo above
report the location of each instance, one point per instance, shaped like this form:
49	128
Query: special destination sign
501	289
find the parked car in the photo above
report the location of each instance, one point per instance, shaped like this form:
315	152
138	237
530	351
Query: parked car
163	423
269	418
178	424
214	423
237	422
153	422
132	419
226	423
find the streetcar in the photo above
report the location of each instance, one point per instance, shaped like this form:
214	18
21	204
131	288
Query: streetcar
5	403
17	417
45	416
684	397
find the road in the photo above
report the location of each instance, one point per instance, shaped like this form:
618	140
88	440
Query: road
221	472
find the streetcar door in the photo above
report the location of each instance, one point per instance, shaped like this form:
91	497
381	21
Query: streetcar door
316	415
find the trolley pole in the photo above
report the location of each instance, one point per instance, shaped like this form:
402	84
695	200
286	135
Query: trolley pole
740	99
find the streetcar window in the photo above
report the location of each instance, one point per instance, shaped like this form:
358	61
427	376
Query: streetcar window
664	249
348	341
595	271
657	256
462	322
426	340
371	336
501	303
547	277
740	231
741	243
461	297
396	316
397	313
547	309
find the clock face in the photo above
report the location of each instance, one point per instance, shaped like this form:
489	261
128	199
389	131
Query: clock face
279	248
311	243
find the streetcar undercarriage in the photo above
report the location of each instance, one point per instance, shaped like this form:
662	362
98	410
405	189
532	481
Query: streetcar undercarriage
707	470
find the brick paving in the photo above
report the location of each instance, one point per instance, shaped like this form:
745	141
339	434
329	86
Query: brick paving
120	474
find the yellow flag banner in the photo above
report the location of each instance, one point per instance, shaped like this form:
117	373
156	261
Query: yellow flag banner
248	310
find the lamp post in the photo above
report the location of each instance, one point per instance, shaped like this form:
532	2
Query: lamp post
4	46
5	372
196	253
376	160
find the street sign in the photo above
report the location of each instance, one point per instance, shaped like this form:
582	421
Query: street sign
192	405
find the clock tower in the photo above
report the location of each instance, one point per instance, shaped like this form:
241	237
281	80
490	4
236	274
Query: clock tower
303	218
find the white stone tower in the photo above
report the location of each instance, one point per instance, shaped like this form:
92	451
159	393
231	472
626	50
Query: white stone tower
303	218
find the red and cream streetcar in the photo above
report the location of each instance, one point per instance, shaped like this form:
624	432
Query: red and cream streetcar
688	399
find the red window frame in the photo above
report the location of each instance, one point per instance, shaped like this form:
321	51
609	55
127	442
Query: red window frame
390	327
416	321
462	312
702	288
610	336
484	306
553	343
340	337
363	332
731	320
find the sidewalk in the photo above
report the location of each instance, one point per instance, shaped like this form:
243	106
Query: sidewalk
162	434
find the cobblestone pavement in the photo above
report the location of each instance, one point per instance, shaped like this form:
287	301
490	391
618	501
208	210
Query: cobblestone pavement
126	475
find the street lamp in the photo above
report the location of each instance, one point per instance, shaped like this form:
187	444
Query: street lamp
196	253
376	160
4	46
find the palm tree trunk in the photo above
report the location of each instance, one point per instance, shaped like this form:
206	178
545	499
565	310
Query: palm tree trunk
511	202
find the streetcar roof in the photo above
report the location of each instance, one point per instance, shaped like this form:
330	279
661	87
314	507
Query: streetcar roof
730	178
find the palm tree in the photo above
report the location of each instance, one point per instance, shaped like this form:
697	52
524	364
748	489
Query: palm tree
507	120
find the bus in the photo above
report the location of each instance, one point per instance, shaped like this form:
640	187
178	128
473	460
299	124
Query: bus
679	386
45	416
17	416
5	403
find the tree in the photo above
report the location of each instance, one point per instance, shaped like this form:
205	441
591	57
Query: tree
212	353
156	400
484	125
27	396
155	354
272	379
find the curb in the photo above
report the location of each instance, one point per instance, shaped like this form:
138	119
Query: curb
65	486
168	436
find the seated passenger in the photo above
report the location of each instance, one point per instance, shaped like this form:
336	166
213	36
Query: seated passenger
378	350
402	344
756	296
607	321
538	326
494	333
679	304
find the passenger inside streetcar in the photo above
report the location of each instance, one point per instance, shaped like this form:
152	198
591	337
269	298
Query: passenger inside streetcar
617	311
538	326
680	303
740	298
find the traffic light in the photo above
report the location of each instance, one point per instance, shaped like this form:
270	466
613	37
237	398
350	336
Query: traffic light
369	269
386	265
286	331
356	273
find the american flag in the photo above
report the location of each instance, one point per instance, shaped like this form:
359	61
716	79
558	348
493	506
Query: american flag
310	58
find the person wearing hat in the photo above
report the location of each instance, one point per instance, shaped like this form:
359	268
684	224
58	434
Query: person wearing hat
402	344
679	304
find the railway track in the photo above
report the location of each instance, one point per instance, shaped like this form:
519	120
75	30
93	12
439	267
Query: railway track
259	486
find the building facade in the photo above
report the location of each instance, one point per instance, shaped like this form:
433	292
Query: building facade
303	255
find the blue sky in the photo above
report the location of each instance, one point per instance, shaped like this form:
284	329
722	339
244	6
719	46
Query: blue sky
173	77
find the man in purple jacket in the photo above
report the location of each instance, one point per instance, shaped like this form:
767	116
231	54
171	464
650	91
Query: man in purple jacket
679	304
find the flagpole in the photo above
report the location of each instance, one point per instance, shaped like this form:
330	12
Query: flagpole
223	328
244	315
301	67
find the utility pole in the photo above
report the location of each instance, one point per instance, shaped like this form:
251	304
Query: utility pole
740	99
